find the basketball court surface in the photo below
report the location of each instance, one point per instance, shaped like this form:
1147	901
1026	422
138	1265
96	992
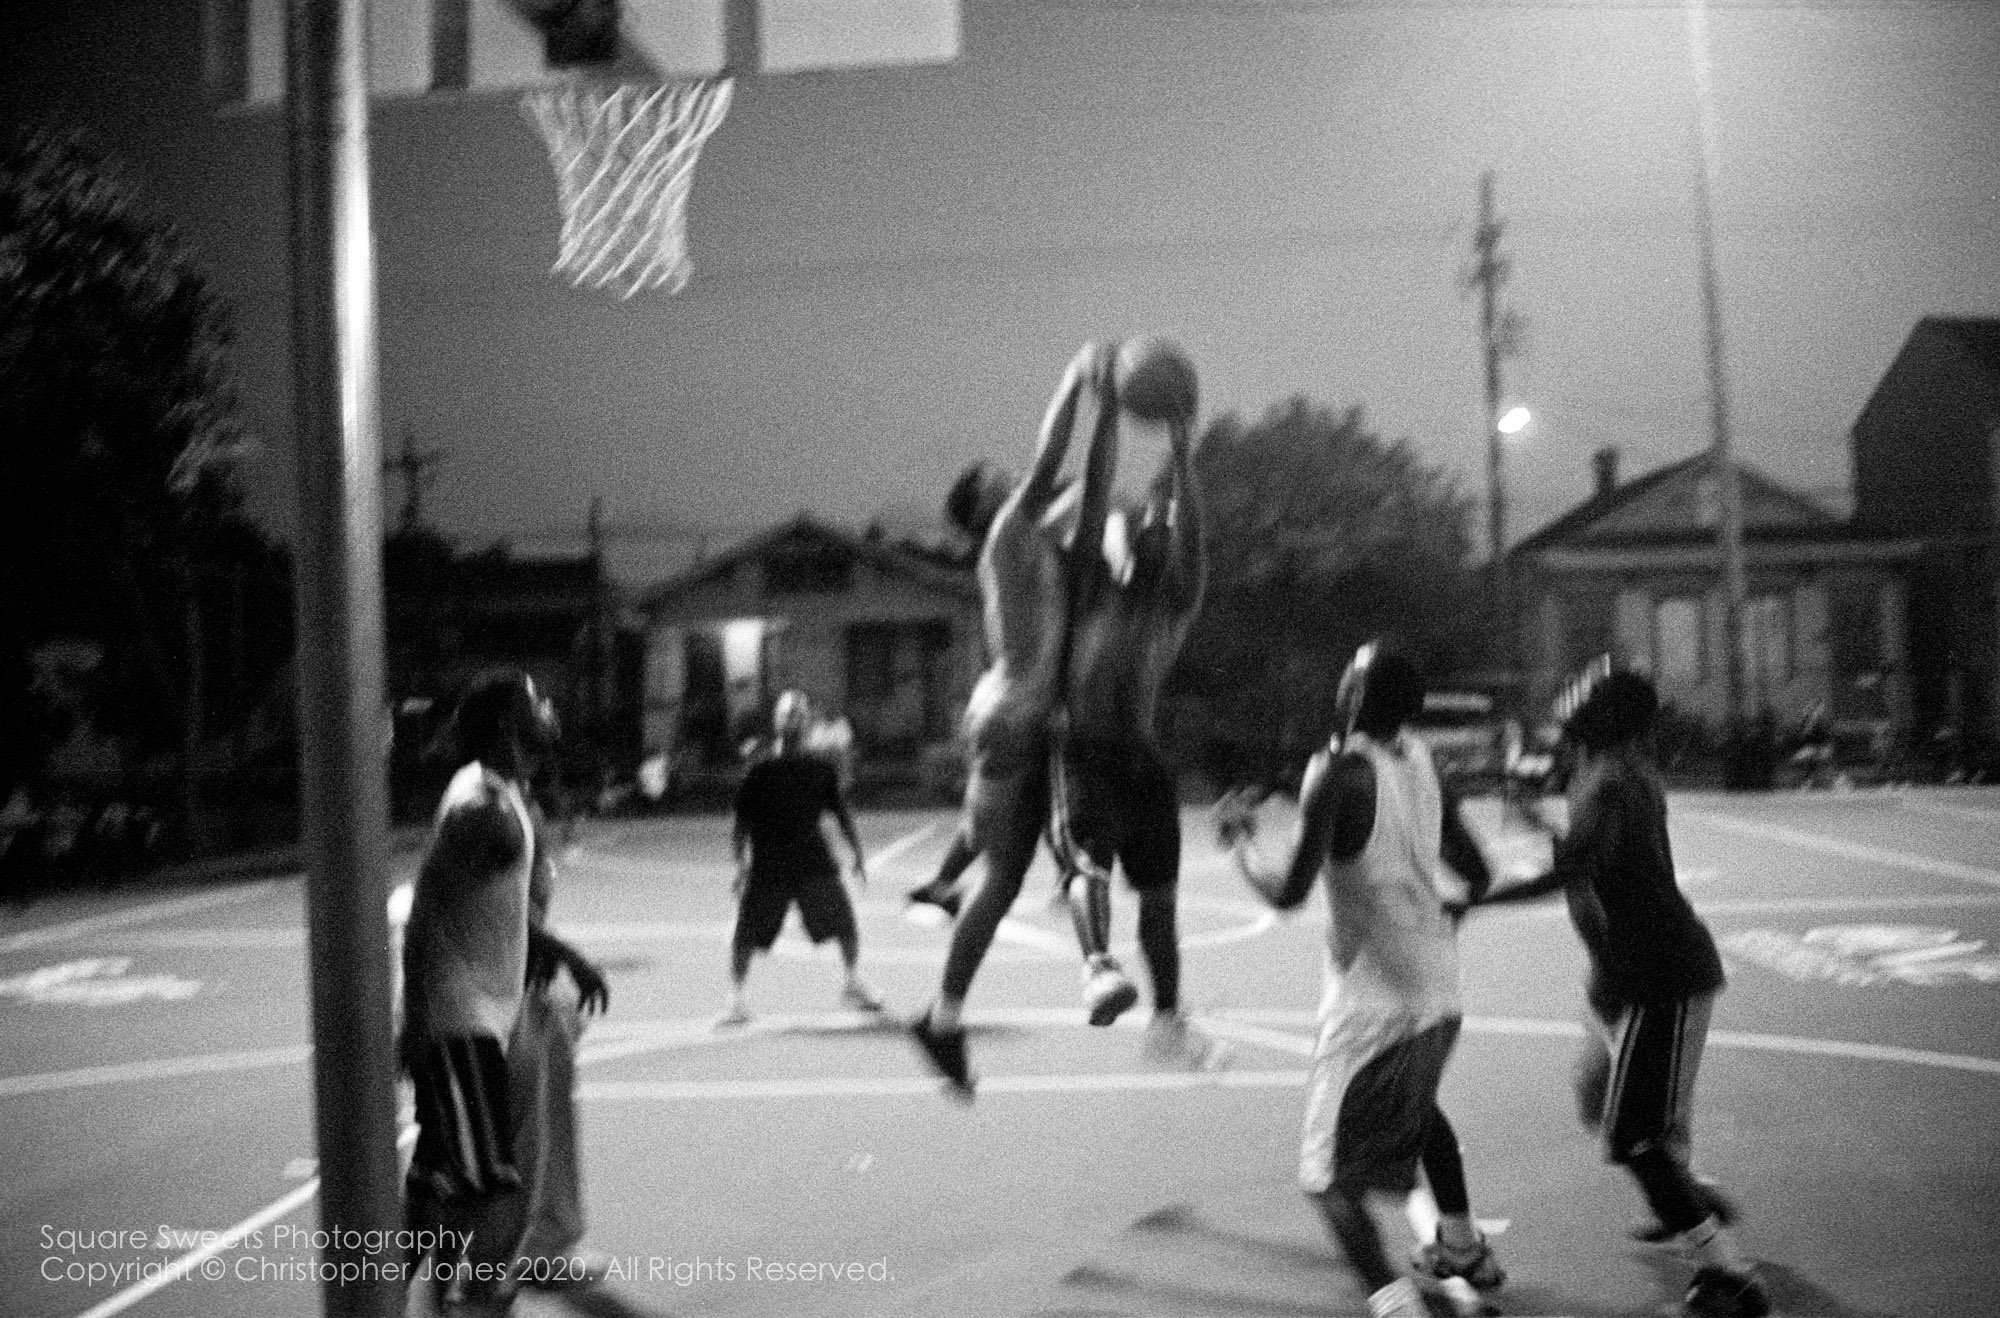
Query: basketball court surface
157	1092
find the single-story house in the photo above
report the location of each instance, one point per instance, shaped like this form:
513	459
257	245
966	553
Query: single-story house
885	635
1635	571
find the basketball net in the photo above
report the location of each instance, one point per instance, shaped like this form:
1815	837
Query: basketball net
624	159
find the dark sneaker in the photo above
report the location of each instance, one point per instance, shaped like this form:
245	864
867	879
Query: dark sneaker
1719	1205
1718	1293
945	1051
1476	1263
932	897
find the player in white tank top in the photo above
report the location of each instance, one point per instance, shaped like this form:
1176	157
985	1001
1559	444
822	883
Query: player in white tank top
1390	945
1374	827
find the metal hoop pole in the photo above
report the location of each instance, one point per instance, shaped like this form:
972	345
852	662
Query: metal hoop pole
342	721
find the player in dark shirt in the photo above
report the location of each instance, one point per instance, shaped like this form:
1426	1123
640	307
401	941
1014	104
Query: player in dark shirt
782	858
1654	976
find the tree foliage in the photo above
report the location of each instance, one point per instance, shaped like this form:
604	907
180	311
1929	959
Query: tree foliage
119	440
1321	535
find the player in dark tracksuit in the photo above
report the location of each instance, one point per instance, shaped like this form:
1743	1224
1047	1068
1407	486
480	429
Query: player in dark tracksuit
1654	976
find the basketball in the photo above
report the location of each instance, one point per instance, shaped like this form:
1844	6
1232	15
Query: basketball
1156	381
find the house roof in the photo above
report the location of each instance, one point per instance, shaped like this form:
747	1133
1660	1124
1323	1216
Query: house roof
1672	505
891	559
1978	335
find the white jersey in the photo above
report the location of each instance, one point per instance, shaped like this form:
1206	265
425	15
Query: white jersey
1391	949
467	940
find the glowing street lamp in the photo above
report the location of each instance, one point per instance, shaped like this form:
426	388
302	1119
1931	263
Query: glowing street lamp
1515	421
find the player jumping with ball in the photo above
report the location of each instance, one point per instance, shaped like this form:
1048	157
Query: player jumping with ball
1024	582
1138	581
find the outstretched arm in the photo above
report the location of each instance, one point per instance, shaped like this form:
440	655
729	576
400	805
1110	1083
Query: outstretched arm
1100	468
1336	814
1185	523
837	805
1462	853
1039	489
1579	855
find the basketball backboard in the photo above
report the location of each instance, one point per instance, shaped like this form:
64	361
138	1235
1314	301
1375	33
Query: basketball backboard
422	47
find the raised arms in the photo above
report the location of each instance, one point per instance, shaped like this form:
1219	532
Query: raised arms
1186	526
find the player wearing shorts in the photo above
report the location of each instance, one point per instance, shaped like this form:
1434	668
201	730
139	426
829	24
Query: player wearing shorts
1397	864
1115	797
782	859
1024	584
1654	976
474	950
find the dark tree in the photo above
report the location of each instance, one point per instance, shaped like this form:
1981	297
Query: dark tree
1321	534
118	446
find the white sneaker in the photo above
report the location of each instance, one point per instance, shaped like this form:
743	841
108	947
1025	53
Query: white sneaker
1172	1042
860	997
1399	1299
1107	993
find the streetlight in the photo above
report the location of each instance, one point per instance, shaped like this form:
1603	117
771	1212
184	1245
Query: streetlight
1515	421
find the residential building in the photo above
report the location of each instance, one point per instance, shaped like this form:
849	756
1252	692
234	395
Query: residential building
1927	466
1635	571
884	635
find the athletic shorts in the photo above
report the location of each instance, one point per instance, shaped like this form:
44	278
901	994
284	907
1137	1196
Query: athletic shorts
1655	1051
1116	801
822	901
1373	1085
465	1118
1006	784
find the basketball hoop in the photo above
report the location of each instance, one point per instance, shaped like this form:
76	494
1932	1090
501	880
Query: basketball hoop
624	158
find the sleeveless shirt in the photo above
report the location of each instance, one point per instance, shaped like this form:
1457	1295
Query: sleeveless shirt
1391	949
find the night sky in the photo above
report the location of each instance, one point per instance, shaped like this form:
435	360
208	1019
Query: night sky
892	267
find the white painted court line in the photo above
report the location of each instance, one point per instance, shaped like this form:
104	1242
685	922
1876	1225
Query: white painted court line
885	854
1867	1052
682	1091
1780	905
165	1068
164	909
642	1036
889	851
172	1272
236	938
1939	808
180	1267
1830	846
1750	1041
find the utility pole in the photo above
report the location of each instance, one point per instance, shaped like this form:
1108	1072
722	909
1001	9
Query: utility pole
414	466
1729	503
1489	272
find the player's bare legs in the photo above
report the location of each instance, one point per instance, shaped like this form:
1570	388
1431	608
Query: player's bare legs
941	893
940	1032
